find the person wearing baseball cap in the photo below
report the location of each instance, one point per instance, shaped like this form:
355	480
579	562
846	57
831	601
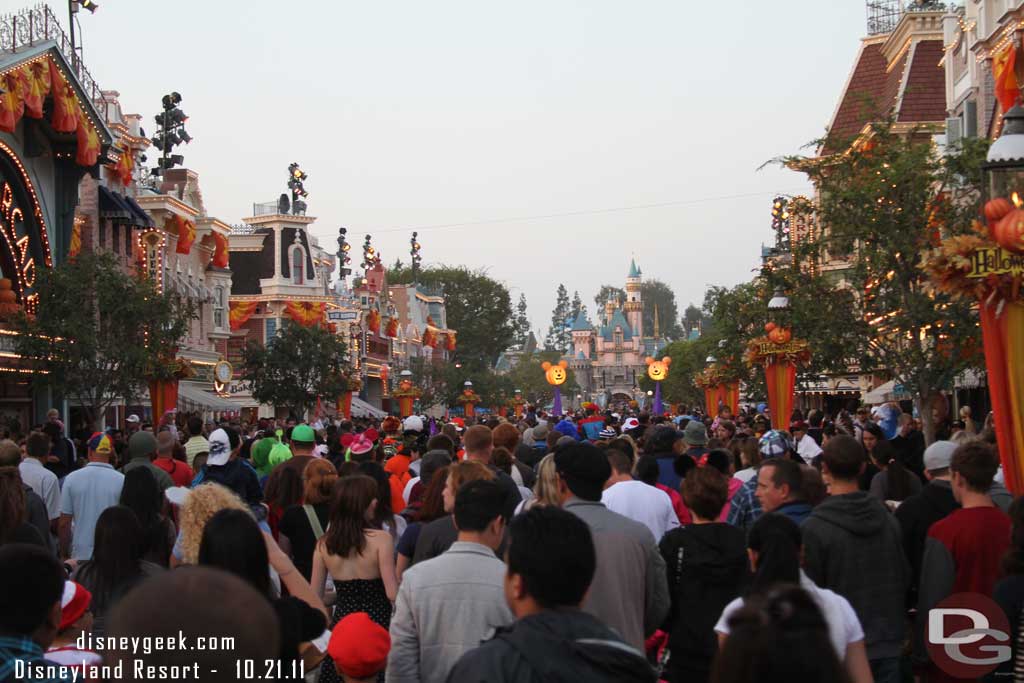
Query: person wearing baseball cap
746	507
625	594
303	442
84	495
141	451
933	502
358	648
224	467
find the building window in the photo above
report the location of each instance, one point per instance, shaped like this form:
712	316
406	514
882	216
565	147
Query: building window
298	266
618	358
271	328
218	307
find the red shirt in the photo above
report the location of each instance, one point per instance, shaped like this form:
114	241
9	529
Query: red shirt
181	474
976	539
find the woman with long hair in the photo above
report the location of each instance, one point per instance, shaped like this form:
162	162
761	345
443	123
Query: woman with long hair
893	481
232	541
358	558
303	524
141	494
116	564
283	489
14	526
384	516
870	436
432	508
774	547
545	489
746	452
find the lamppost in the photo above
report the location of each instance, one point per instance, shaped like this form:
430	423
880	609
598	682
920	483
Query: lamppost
170	133
73	6
779	353
343	258
414	253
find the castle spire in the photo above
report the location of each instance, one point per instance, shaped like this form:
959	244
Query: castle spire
657	328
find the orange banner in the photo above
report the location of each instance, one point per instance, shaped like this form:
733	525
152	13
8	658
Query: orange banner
220	250
37	80
344	405
186	232
1004	69
240	312
781	380
66	112
305	313
1004	359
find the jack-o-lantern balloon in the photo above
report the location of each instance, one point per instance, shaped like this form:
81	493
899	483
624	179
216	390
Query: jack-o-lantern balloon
1009	232
658	369
780	335
405	385
768	327
555	374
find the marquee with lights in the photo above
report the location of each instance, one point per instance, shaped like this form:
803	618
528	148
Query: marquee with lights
24	246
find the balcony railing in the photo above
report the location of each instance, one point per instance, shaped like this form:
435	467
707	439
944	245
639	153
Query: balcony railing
32	26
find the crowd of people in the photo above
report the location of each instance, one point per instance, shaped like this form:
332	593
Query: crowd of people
595	546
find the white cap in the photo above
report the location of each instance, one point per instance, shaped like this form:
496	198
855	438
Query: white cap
413	423
220	448
630	423
133	419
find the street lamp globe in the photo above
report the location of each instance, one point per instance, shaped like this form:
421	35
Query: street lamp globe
710	360
1004	166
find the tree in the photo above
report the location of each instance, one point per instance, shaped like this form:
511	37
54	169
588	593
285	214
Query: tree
477	306
528	377
659	296
737	315
100	334
431	378
576	306
606	292
693	319
688	358
296	367
521	322
881	205
558	335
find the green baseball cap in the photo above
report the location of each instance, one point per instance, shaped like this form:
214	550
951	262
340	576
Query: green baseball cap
303	434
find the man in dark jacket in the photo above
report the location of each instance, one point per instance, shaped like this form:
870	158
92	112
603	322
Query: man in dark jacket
780	487
852	546
551	562
662	444
224	467
918	512
706	563
909	443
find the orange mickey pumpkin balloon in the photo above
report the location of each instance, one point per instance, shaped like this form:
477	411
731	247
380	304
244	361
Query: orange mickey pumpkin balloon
555	374
1009	232
658	369
768	327
781	335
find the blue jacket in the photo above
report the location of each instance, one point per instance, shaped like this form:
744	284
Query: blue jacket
798	511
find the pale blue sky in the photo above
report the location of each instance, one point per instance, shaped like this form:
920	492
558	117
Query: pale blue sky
409	114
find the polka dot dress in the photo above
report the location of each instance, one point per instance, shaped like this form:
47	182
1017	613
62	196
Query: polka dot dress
357	595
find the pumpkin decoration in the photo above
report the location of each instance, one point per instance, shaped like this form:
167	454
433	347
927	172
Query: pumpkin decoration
768	327
780	335
995	210
1009	232
8	299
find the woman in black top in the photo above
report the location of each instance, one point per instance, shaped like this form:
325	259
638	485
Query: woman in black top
141	494
232	541
14	526
296	533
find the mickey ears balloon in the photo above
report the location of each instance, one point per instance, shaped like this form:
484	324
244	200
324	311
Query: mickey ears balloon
658	369
555	374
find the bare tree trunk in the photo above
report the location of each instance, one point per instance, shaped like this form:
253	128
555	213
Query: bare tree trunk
923	403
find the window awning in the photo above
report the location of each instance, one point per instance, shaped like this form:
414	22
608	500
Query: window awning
193	397
142	217
113	205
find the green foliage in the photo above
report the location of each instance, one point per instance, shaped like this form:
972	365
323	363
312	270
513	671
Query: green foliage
478	307
528	376
737	315
521	322
559	337
687	360
656	294
694	318
297	366
881	205
606	291
99	333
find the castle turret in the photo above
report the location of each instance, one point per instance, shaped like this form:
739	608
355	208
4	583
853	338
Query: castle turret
582	335
634	306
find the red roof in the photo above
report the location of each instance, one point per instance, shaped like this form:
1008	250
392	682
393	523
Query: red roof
874	88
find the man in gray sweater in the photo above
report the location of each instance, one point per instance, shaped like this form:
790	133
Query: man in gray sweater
447	605
629	592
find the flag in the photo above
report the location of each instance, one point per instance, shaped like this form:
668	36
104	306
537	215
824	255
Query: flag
1005	72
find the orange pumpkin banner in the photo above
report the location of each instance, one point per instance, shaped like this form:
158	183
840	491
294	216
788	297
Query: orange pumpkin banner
1004	69
221	257
392	329
450	341
88	145
186	235
65	104
37	80
75	248
305	313
12	101
125	166
240	312
1003	336
373	321
781	380
430	338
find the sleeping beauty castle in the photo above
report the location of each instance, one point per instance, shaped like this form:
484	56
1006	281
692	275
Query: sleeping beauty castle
609	358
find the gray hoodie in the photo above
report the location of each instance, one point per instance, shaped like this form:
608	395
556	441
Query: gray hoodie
852	546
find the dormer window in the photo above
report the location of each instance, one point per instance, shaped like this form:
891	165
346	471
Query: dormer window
298	265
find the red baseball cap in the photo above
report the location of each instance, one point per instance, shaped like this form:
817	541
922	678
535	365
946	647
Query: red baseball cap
359	646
